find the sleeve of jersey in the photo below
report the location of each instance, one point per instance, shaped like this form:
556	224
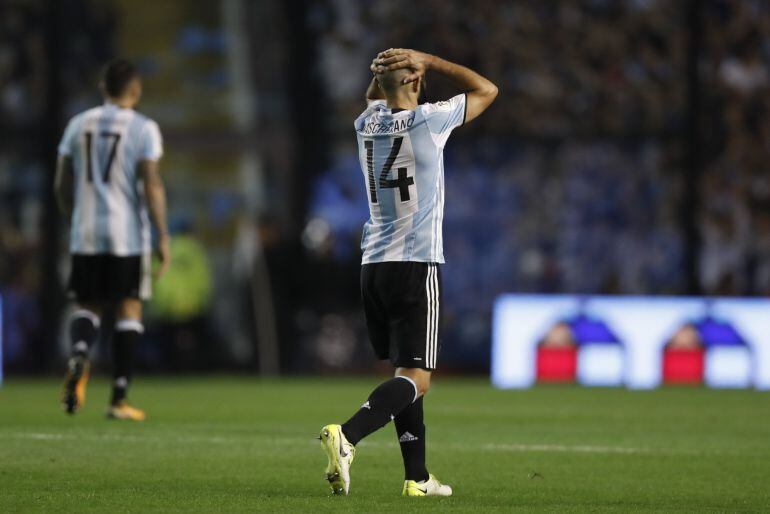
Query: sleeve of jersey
444	117
68	139
153	143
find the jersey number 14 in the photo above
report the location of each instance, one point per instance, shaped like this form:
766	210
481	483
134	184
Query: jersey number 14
402	182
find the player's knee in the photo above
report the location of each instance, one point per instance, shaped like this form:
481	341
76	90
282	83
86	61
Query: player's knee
420	378
423	384
130	308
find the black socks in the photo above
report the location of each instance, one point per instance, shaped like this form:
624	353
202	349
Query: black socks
385	403
126	335
394	400
410	430
84	331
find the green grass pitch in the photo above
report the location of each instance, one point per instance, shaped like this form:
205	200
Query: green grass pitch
246	445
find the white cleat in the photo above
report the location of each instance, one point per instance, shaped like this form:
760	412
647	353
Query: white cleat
430	487
340	454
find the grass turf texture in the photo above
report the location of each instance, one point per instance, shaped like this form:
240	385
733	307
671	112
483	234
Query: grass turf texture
239	444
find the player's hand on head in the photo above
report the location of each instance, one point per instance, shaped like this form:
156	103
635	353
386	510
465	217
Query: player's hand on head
163	253
399	58
376	65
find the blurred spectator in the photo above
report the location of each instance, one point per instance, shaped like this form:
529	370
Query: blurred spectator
735	189
22	78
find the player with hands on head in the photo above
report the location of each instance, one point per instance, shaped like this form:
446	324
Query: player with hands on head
400	143
479	91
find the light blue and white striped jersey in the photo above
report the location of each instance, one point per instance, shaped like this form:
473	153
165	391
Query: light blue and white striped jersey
402	159
106	144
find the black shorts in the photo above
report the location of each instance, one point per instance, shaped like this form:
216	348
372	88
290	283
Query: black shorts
402	305
106	278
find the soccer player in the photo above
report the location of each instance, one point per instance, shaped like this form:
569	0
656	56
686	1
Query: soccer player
107	179
401	147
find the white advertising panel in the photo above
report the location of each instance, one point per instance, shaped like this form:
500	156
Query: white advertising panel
637	342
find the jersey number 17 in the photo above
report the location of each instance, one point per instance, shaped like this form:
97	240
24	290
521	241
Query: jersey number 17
110	158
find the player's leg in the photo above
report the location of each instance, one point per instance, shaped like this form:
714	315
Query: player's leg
421	346
83	331
83	327
131	285
385	402
387	399
84	324
382	405
389	304
128	330
410	430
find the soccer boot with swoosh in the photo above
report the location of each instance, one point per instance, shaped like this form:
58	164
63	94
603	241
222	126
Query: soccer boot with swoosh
430	487
340	454
74	390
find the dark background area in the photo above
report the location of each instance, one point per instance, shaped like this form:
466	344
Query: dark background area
627	153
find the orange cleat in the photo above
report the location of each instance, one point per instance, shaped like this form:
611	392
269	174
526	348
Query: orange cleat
123	410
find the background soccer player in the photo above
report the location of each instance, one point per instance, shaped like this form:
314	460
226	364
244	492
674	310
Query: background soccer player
401	154
106	179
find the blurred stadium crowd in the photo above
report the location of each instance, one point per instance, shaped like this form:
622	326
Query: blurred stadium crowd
573	182
735	191
24	98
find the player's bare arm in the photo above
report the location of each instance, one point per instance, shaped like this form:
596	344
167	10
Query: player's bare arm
480	92
373	92
64	185
155	193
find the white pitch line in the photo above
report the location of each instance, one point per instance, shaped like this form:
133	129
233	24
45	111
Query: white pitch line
504	447
561	448
144	439
42	437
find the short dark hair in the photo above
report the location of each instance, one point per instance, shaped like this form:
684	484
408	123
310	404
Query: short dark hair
116	76
391	81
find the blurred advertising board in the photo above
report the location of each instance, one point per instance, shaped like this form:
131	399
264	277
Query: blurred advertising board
636	342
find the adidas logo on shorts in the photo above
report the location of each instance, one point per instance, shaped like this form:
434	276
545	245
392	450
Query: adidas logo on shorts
366	405
407	437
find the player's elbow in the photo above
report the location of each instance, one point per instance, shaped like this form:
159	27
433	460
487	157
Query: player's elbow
486	94
491	92
479	100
